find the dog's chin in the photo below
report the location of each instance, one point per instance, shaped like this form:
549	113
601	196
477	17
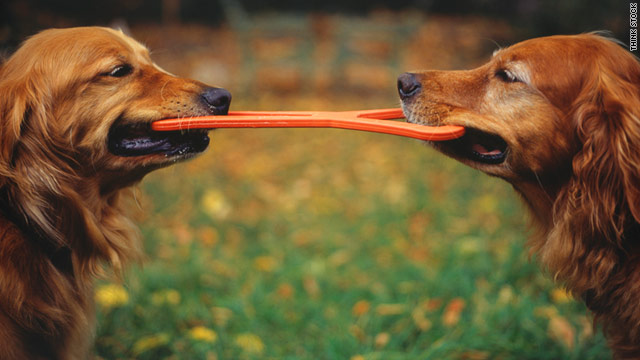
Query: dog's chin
477	148
135	150
136	141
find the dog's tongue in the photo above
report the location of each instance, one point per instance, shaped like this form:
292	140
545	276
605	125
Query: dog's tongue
480	149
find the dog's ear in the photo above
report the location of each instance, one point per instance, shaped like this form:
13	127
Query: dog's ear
594	212
15	106
606	182
25	106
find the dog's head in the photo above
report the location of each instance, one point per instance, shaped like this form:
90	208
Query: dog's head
544	114
522	108
80	101
76	107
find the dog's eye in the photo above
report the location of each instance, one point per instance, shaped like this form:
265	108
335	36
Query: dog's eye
506	76
120	71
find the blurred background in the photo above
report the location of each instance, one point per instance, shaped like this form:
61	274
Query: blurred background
329	244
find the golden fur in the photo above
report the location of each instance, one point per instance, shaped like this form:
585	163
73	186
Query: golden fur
64	194
559	118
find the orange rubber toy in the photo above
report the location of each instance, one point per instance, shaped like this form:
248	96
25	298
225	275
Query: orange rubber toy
365	120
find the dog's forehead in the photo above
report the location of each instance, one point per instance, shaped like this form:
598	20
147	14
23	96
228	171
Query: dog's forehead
90	46
505	57
557	46
117	44
512	53
529	54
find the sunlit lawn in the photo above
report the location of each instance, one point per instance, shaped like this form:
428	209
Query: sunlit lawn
334	244
330	244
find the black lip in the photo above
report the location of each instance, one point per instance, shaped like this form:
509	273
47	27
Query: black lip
464	146
139	140
489	159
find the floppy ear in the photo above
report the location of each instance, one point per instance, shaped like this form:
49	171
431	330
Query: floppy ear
25	107
606	182
31	172
602	199
14	108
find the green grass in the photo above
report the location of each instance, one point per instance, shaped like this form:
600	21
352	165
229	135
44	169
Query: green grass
329	244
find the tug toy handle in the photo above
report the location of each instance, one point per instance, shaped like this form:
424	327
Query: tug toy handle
376	120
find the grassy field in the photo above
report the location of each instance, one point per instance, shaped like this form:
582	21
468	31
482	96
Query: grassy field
330	244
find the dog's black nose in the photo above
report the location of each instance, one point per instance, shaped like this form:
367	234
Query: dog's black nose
408	85
217	99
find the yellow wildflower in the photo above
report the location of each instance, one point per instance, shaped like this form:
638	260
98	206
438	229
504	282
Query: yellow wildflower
546	311
357	332
168	296
360	308
560	296
285	291
201	333
250	343
111	295
506	295
452	312
311	286
562	331
215	204
173	297
221	315
146	343
390	309
208	236
419	316
382	339
265	263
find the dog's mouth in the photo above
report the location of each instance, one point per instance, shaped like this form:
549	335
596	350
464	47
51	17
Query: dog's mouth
481	147
129	140
475	145
484	147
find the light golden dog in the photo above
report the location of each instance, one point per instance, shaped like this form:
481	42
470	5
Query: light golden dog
75	112
559	118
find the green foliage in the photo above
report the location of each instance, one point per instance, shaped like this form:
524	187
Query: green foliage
329	244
